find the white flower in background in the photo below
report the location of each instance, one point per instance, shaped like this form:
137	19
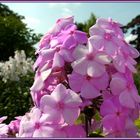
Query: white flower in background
16	67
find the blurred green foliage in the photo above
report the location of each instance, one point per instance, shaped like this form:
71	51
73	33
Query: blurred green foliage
137	78
15	97
84	26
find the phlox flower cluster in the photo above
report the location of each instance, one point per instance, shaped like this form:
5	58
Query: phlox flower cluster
75	72
15	67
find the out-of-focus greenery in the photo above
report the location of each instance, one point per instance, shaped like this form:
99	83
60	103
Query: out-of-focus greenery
15	97
137	78
87	24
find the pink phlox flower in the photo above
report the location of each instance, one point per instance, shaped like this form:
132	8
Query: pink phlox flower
36	124
61	24
130	131
104	39
110	25
114	115
122	61
71	37
88	87
89	61
128	94
63	102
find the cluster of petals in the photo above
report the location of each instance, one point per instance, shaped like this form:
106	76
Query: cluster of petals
73	71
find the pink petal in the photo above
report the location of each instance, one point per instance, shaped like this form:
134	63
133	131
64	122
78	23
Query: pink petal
119	63
104	23
44	131
75	81
102	58
3	118
51	117
109	122
117	82
110	48
96	41
75	131
81	37
127	100
47	102
107	107
101	83
59	93
95	69
70	115
36	114
47	53
70	42
96	30
58	60
38	84
131	67
80	51
72	99
66	54
134	52
135	95
89	91
80	66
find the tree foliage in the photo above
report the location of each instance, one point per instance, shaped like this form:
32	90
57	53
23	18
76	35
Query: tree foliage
87	24
14	34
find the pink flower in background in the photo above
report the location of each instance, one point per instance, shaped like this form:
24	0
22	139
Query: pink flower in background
87	86
63	102
110	25
61	24
89	61
104	39
123	61
114	115
14	125
3	127
128	94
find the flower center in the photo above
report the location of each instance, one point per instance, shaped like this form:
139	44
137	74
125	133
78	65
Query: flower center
60	105
37	125
58	20
129	86
57	49
88	77
107	36
118	113
90	56
71	32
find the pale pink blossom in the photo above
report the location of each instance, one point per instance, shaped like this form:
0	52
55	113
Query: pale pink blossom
63	102
89	61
